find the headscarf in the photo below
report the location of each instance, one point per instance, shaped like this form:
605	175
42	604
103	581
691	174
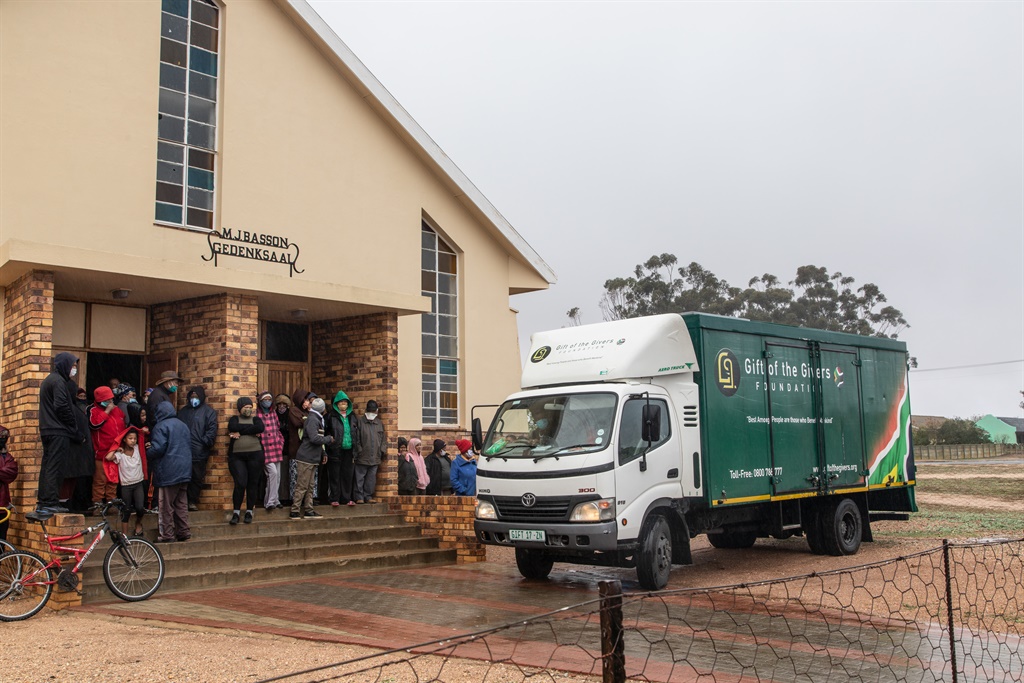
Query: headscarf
412	454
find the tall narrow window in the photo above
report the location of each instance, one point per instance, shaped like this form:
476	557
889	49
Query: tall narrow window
440	331
187	120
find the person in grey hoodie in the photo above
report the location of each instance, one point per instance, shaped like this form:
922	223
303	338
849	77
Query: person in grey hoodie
201	420
308	457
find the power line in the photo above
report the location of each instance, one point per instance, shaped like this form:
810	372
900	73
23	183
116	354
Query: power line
962	367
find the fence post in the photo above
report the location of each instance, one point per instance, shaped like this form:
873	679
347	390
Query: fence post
949	606
613	657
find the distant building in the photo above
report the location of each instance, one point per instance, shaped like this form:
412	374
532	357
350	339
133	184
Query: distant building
1002	429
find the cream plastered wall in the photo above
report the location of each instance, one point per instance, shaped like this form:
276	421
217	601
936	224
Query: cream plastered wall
301	155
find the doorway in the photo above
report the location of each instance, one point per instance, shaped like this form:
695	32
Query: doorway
101	367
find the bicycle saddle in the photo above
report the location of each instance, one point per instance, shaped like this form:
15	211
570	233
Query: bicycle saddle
39	515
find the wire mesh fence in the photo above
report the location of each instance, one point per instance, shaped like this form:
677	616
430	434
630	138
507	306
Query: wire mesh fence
952	613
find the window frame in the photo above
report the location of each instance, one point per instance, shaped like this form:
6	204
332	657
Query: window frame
440	374
666	427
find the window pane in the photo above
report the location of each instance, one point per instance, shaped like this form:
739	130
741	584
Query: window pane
203	61
446	263
179	7
446	283
427	260
447	346
430	365
429	399
200	178
429	345
428	324
429	382
172	52
449	400
204	36
202	110
428	281
170	173
172	102
204	13
448	367
200	135
446	325
171	128
165	151
168	213
287	342
445	304
428	417
174	27
448	417
201	199
202	86
200	219
166	192
428	240
172	77
197	158
442	247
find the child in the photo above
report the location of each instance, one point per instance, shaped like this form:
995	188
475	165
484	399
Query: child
130	460
8	473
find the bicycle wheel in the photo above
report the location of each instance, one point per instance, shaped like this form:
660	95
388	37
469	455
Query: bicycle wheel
25	585
6	547
133	569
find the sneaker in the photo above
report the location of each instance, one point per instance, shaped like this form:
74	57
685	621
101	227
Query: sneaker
183	539
248	517
192	507
164	540
335	504
294	515
278	506
313	514
351	503
270	509
234	518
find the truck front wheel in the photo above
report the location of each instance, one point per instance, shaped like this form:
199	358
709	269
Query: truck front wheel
533	564
842	527
654	556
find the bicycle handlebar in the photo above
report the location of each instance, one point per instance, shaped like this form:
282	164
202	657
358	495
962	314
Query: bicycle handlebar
117	502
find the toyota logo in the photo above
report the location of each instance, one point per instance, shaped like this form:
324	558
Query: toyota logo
529	500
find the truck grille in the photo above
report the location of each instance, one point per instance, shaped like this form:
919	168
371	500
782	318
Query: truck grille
544	510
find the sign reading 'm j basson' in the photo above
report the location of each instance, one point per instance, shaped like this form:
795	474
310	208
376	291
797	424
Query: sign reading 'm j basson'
256	246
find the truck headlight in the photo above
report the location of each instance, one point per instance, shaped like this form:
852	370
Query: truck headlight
485	510
591	511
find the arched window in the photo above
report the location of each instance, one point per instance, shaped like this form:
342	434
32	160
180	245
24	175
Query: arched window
440	331
187	119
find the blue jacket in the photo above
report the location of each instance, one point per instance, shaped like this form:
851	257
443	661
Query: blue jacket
169	450
463	476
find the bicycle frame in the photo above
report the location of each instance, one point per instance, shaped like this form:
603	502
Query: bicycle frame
80	553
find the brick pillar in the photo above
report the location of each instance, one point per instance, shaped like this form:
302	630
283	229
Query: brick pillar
25	358
360	356
216	340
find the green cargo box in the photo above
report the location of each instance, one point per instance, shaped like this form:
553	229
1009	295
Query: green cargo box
794	412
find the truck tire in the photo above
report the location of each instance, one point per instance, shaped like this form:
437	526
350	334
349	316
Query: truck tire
654	555
733	539
842	529
812	528
533	564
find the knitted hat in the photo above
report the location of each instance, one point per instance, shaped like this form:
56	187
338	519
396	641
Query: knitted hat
318	405
243	401
439	445
464	445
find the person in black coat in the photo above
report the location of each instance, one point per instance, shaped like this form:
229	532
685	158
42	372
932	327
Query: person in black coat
58	429
201	421
439	467
82	462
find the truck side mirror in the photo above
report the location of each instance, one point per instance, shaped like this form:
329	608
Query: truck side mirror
650	416
478	435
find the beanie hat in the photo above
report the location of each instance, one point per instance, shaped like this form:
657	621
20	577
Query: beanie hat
243	401
318	405
102	393
123	389
264	394
371	406
439	444
464	445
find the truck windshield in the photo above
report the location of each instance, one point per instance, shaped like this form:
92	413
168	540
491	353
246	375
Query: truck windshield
560	425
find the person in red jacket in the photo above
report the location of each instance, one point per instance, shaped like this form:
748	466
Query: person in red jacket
8	473
106	422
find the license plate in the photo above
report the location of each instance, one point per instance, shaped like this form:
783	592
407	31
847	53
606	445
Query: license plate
526	535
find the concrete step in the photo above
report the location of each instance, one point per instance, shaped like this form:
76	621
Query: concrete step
276	548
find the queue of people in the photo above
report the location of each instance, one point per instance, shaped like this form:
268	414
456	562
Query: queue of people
156	458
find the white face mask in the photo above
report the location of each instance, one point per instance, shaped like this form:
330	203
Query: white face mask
74	371
371	416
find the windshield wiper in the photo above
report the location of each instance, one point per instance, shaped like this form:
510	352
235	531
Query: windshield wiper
563	450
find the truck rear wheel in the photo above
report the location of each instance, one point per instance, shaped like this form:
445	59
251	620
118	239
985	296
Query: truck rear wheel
733	539
812	529
654	556
842	529
533	564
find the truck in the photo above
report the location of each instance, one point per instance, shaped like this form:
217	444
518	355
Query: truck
629	438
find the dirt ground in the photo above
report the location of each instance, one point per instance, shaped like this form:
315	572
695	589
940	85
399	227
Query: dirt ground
87	647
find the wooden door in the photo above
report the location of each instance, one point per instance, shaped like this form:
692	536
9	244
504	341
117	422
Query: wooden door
282	378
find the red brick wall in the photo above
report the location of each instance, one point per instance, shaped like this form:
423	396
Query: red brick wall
449	518
216	341
26	358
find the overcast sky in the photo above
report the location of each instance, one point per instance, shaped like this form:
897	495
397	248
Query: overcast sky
884	140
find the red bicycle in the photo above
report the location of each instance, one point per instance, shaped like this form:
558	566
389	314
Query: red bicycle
133	568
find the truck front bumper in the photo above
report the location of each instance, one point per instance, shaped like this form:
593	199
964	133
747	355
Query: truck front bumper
583	537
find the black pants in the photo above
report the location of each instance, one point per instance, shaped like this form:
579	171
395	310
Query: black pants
134	496
341	474
195	485
56	451
245	469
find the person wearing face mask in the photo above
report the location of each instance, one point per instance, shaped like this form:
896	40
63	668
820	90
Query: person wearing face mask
296	420
201	421
273	448
58	428
371	447
245	458
126	398
105	424
282	405
164	391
